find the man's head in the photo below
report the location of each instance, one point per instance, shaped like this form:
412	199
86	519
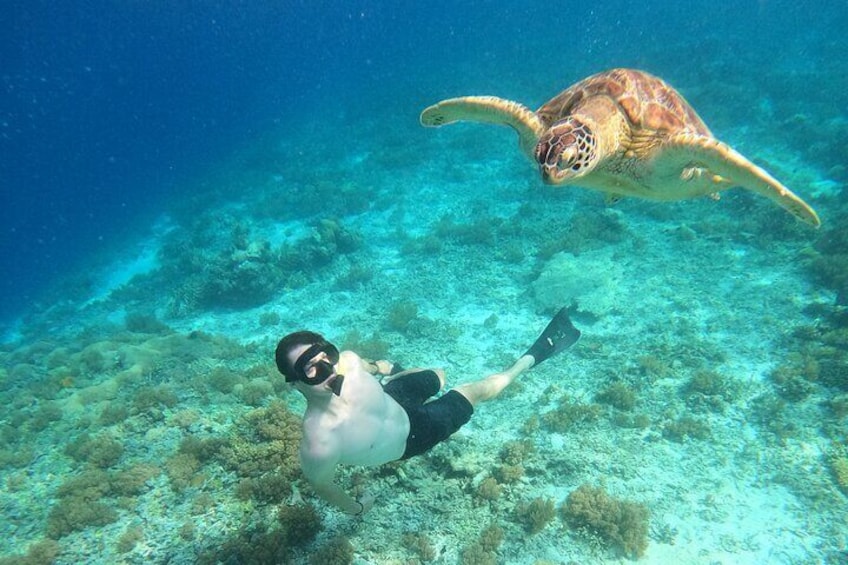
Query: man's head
309	358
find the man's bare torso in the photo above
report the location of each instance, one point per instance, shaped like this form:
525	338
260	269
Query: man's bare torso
362	426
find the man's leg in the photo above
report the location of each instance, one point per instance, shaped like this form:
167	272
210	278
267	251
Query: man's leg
559	335
491	386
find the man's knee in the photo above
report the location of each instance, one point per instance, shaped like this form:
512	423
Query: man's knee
441	374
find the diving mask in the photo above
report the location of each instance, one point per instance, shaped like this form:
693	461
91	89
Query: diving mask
323	369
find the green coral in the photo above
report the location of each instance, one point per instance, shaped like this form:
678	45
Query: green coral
269	319
622	523
708	383
218	263
262	449
254	392
223	379
85	500
479	232
829	265
44	415
136	322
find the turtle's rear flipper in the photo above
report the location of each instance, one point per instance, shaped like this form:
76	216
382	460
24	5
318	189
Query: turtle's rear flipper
558	336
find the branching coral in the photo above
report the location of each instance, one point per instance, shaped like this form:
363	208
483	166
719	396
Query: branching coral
264	449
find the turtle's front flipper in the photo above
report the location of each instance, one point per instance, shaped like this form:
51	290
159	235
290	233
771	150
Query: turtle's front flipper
489	110
689	150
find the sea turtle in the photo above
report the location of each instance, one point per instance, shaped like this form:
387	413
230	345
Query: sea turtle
626	133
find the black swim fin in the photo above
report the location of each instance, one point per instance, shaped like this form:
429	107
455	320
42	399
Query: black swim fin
558	336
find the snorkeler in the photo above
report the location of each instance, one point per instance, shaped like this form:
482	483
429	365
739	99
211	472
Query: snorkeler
353	419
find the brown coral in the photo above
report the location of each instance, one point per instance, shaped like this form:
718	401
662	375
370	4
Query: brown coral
622	523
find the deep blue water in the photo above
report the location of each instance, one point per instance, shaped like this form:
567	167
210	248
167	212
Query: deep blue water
110	109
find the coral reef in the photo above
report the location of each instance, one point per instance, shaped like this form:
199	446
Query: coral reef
339	551
263	451
401	315
618	395
420	544
829	263
623	524
209	269
81	504
251	546
569	414
369	347
709	391
129	539
686	427
536	514
489	489
484	550
43	552
839	467
301	522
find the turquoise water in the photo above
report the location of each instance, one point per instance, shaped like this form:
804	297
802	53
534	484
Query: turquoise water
186	185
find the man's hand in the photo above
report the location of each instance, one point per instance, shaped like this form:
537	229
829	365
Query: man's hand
367	501
383	367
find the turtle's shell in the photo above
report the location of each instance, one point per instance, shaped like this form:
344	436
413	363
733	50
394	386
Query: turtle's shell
647	101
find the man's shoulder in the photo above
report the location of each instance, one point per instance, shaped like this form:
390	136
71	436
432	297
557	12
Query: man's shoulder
349	356
350	362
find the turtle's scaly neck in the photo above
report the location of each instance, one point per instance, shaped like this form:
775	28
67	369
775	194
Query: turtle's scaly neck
606	121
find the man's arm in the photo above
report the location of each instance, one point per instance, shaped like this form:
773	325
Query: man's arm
320	470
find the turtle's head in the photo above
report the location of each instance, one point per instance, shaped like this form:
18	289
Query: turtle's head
568	150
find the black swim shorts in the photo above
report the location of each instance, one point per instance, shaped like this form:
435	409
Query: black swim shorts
434	421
